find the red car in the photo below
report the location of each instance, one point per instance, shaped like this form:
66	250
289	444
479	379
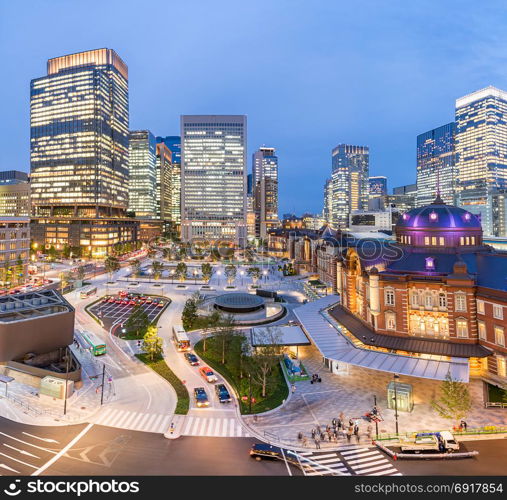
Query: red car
105	299
111	300
117	301
149	300
160	304
132	302
125	302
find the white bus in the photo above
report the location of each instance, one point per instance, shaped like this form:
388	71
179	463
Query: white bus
88	291
181	338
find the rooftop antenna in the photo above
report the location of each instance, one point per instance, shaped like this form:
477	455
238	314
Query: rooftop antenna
438	199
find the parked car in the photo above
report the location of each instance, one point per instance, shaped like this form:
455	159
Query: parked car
191	358
222	393
207	374
200	396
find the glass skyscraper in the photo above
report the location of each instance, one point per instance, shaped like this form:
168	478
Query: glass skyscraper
377	186
79	119
436	165
79	134
349	177
213	177
481	152
173	143
265	189
142	174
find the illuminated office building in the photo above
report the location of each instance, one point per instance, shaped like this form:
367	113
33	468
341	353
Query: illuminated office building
173	143
14	249
481	152
377	186
213	177
163	188
15	199
349	177
436	165
79	119
142	174
265	190
328	198
12	177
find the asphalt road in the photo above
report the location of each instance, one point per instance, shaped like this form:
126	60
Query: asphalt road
99	450
491	461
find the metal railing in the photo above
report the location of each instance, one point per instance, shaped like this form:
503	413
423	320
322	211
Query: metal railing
491	404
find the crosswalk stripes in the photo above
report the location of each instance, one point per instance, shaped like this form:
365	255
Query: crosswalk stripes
368	461
213	427
135	421
349	459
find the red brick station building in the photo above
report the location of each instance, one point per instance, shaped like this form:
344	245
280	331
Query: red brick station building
435	292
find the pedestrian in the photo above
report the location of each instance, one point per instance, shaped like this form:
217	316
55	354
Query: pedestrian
293	388
351	423
322	436
334	422
340	424
357	437
317	442
356	429
313	433
349	436
305	442
368	431
463	425
329	434
318	429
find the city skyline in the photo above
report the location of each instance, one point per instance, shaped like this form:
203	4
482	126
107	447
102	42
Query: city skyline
358	109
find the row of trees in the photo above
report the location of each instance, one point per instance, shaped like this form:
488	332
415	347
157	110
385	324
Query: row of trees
12	272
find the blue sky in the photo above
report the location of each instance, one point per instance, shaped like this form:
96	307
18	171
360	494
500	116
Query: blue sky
309	75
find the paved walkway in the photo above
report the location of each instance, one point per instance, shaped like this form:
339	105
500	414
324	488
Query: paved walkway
352	393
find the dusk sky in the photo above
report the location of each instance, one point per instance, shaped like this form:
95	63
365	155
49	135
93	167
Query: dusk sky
309	75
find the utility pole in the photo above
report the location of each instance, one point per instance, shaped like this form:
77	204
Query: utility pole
66	379
249	393
103	381
395	377
376	420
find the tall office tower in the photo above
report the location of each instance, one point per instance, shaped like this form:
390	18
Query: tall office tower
79	119
481	152
328	198
14	194
436	165
377	186
163	182
265	190
249	184
403	198
350	172
213	177
173	143
12	177
142	174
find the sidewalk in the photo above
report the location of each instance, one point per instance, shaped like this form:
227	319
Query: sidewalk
352	393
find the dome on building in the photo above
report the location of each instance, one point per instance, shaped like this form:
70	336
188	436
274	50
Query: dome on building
439	225
439	215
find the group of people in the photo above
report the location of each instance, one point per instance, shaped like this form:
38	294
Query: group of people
337	429
315	378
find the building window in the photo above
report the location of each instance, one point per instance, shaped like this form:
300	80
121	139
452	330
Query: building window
428	300
482	330
413	298
497	311
390	321
426	240
499	336
461	240
430	263
442	300
473	240
461	301
441	241
480	306
461	328
389	297
501	368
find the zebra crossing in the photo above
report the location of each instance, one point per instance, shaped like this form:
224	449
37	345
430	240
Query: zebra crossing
213	427
348	460
367	461
135	421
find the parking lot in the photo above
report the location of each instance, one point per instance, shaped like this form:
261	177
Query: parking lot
121	308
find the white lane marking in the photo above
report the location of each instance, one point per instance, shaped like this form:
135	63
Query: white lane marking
62	451
142	421
355	451
363	460
48	440
23	452
164	424
367	465
156	422
27	443
327	455
149	422
9	468
286	464
188	424
19	461
102	417
377	468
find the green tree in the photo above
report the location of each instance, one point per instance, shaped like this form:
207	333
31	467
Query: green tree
255	273
181	271
230	273
52	253
224	333
454	402
152	343
65	279
80	273
157	267
66	251
189	314
206	271
136	268
19	270
138	321
111	265
209	326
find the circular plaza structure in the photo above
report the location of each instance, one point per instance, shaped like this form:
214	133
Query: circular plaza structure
239	303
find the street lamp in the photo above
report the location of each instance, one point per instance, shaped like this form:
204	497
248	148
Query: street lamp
128	273
195	276
242	274
265	273
149	274
395	378
218	274
172	276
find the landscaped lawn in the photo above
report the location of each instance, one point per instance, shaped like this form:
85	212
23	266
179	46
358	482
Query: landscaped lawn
277	388
160	366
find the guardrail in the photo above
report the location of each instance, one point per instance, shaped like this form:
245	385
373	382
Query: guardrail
471	431
23	405
491	404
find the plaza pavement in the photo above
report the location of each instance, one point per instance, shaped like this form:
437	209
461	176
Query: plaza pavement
352	394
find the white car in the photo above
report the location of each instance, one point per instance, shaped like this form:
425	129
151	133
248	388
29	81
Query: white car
208	375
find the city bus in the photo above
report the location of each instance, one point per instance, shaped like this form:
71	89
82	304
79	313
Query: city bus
88	291
180	338
97	346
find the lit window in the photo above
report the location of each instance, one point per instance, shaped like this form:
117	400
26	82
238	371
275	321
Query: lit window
442	300
499	336
497	311
501	367
390	321
480	306
434	240
441	241
482	330
462	328
426	240
430	263
428	301
414	300
461	240
461	302
389	297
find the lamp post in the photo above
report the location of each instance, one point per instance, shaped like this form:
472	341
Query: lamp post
172	276
218	274
66	379
376	420
195	276
128	274
265	273
242	273
149	274
395	378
